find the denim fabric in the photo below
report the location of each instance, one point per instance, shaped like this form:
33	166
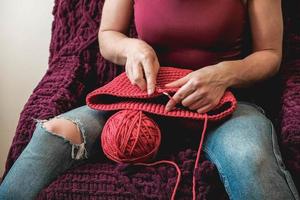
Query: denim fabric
47	155
244	149
246	153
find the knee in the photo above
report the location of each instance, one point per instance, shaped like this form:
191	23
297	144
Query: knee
64	128
251	150
250	157
250	145
241	155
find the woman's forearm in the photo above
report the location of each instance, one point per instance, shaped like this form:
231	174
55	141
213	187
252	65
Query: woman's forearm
256	67
115	21
113	45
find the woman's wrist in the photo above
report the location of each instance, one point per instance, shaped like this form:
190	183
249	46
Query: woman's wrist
227	73
254	68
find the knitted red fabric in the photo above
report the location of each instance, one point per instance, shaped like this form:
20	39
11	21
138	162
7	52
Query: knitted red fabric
121	94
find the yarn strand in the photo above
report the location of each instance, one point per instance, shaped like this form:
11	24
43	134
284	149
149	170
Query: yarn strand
131	136
198	155
166	162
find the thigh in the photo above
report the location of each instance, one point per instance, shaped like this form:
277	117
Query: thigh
248	129
47	155
246	153
238	146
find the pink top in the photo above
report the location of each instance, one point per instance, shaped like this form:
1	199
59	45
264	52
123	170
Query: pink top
192	33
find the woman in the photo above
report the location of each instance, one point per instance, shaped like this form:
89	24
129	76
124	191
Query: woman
205	36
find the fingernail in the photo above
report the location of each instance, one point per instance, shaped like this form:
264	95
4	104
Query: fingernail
167	107
150	91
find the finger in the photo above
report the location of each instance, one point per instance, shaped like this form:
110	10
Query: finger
178	82
156	67
138	76
184	91
128	72
198	104
150	76
205	109
191	99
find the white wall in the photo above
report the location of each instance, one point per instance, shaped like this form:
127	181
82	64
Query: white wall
25	27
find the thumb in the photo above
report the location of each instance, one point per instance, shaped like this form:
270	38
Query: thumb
178	82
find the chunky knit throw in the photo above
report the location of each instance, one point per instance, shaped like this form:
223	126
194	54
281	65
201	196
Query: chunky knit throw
76	68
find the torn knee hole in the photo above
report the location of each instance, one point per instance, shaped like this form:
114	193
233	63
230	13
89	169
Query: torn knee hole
69	130
65	128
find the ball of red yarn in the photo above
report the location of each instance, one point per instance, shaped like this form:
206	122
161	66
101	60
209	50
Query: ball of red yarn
130	136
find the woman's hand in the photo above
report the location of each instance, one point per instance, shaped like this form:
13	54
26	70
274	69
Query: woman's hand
139	58
200	90
141	64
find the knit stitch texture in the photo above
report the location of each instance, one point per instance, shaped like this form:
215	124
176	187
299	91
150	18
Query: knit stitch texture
121	94
76	68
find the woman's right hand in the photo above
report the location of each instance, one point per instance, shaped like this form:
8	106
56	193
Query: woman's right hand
141	64
139	58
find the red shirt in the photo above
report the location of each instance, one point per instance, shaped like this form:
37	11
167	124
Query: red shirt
191	33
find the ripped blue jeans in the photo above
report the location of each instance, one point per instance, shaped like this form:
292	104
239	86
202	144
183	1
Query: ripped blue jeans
244	149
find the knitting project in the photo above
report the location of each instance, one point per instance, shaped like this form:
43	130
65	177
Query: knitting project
121	94
77	68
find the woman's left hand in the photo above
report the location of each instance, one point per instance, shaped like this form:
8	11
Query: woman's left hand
199	90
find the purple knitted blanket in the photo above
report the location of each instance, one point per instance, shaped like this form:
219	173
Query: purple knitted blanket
290	110
76	68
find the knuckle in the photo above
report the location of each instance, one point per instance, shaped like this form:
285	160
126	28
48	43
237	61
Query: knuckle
147	55
192	108
199	93
194	82
208	109
180	96
148	73
204	93
184	103
197	105
210	100
137	79
143	56
215	103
